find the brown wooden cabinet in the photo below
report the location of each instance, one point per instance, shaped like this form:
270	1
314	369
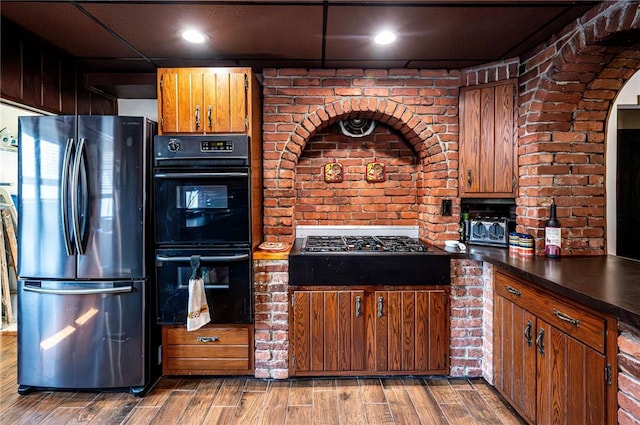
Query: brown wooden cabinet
35	74
327	332
554	360
488	153
203	100
411	330
210	350
514	356
349	331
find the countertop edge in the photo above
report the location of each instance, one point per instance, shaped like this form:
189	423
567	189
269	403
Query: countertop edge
529	269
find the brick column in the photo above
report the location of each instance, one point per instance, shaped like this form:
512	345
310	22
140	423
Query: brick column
467	318
271	318
628	375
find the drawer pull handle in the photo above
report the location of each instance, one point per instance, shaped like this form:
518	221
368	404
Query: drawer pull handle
197	117
540	342
469	179
210	117
358	302
208	339
565	317
380	301
513	291
527	332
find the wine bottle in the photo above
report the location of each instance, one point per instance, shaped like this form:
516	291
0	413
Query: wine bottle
552	234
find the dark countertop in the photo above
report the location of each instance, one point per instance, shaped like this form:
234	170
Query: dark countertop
605	283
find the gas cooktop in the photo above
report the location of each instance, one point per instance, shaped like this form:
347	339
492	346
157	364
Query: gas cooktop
367	260
363	244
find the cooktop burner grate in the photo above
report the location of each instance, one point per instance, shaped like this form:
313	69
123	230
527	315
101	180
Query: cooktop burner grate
363	243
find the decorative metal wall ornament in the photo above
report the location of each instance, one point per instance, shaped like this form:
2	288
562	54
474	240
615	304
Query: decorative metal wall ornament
357	127
333	172
375	172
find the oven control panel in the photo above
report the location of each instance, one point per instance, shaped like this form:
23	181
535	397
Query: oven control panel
216	145
201	150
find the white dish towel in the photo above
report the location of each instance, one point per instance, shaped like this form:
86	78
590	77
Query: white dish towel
198	311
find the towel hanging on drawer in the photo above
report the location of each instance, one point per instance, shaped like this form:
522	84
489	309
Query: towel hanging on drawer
198	311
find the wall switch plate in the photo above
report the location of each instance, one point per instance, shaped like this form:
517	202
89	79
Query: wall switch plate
447	206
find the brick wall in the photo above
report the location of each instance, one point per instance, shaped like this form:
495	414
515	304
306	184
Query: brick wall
566	88
467	318
354	200
490	72
419	106
628	375
487	322
271	318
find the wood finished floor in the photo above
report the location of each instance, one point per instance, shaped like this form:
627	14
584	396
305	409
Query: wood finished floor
243	401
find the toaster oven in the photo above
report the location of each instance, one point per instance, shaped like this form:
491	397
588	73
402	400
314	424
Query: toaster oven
491	231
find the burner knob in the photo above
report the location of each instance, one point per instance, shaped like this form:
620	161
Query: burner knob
173	146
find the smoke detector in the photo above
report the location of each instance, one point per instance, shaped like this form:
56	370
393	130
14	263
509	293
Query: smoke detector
357	127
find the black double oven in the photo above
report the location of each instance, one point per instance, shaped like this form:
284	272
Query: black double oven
202	204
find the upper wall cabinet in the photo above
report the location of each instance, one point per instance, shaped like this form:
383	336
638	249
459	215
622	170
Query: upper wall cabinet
488	161
203	100
33	73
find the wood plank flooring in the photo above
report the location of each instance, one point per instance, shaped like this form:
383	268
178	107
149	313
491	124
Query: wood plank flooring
248	401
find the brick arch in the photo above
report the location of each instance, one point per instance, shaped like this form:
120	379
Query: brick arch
430	149
566	91
396	115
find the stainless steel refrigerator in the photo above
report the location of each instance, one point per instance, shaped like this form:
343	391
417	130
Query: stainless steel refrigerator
84	299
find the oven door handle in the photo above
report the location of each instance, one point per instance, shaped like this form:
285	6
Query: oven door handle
198	175
239	257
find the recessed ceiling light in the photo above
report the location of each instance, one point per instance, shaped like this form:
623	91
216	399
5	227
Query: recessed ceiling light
385	37
194	36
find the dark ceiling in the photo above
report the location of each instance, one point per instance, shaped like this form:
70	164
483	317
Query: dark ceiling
123	42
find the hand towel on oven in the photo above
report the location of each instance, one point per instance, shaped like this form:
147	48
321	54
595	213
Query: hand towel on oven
198	311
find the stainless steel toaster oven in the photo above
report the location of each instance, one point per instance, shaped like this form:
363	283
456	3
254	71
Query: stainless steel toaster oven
491	231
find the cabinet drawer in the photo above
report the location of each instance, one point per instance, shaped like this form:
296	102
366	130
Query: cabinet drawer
206	335
587	327
211	350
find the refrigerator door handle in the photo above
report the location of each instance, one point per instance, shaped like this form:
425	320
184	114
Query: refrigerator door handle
64	196
78	162
240	257
88	291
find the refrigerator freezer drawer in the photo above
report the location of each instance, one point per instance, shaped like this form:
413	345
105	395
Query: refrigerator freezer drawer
81	335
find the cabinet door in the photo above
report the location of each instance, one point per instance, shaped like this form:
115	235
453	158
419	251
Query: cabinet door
514	356
571	380
487	141
180	100
225	102
327	331
504	153
411	331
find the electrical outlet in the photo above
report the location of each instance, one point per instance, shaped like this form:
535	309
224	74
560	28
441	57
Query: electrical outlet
447	206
